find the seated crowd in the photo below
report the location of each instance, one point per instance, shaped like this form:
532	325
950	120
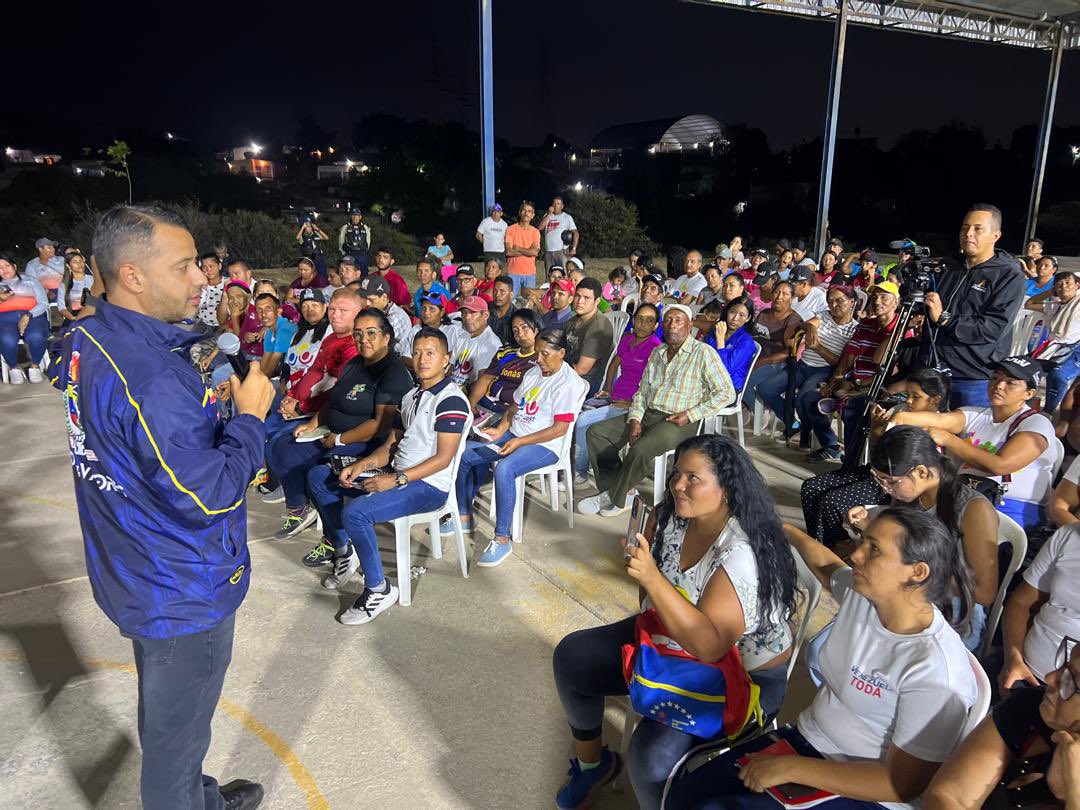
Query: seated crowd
395	402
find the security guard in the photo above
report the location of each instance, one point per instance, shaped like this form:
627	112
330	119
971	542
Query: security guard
354	239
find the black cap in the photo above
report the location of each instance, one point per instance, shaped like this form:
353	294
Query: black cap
349	260
655	278
312	294
1021	367
375	285
465	270
801	272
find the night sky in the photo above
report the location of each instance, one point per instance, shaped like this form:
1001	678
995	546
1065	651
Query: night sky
229	77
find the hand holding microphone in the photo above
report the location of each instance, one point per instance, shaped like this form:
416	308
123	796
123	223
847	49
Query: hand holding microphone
252	390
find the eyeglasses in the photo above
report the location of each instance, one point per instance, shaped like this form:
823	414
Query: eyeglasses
1067	681
370	334
888	482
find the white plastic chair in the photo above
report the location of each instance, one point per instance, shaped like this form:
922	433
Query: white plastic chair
1009	531
981	706
403	527
564	464
1022	327
619	320
716	423
660	469
633	299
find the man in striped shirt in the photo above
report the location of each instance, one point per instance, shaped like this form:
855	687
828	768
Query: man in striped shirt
684	382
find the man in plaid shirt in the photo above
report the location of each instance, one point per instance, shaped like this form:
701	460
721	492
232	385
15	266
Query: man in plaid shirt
683	383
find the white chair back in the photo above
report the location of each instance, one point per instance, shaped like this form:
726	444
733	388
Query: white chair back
619	320
1009	531
981	706
811	586
630	302
1023	325
716	422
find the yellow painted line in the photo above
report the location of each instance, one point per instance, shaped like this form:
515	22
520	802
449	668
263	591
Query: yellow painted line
42	501
299	772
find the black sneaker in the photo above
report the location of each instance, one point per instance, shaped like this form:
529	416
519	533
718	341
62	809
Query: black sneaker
824	454
294	524
240	794
320	555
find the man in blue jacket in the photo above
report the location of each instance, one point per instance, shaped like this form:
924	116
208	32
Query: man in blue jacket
160	483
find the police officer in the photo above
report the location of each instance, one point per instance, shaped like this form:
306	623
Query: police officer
160	484
354	239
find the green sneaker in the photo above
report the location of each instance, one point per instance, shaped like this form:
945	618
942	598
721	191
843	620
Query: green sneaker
294	524
322	554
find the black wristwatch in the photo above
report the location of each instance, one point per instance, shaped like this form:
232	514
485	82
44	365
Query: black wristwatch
401	479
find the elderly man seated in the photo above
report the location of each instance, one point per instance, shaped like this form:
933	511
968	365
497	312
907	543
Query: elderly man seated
684	382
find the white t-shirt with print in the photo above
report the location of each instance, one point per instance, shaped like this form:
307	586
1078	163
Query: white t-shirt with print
543	400
883	688
553	231
762	640
494	234
302	353
689	285
469	355
1056	571
1034	482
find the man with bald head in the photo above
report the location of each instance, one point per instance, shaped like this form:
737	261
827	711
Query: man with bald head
690	284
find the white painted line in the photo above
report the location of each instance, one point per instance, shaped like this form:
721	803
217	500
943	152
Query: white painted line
35	458
43	586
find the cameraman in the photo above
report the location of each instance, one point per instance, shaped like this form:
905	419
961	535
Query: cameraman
969	318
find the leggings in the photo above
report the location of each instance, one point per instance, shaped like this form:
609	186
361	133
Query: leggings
827	498
588	668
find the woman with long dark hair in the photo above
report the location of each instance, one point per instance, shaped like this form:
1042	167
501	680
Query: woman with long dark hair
729	328
897	682
827	498
717	516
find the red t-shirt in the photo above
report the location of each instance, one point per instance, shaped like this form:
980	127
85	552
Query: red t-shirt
334	353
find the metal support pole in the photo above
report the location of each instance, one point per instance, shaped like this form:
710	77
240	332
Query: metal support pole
487	128
1044	134
828	146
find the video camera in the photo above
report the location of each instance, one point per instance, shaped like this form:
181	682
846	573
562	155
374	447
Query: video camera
919	273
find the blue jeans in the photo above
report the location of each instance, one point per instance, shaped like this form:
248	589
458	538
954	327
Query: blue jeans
760	375
966	391
36	337
475	471
588	668
180	682
523	282
716	784
356	519
586	418
290	460
1058	380
807	378
806	406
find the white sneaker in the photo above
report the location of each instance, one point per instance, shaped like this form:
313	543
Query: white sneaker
35	375
595	505
370	604
16	377
614	510
344	568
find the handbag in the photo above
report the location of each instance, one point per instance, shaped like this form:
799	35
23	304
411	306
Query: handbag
994	491
669	685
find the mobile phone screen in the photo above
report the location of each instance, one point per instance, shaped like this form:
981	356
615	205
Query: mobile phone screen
639	516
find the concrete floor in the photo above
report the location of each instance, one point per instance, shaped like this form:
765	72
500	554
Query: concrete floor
447	703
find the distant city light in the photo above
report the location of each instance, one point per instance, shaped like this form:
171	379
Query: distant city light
578	186
573	158
1074	149
256	148
11	152
652	150
330	149
78	170
348	163
169	136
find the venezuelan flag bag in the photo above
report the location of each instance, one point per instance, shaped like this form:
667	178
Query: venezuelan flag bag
671	686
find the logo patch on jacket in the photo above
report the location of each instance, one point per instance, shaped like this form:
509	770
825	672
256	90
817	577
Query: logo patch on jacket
236	575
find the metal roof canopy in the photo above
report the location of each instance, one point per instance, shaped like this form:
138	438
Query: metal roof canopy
1052	25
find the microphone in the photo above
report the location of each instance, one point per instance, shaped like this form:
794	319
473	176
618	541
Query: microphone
229	344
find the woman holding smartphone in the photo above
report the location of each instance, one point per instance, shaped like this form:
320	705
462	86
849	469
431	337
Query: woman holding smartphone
714	563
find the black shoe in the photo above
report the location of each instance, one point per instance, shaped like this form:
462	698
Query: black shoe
240	794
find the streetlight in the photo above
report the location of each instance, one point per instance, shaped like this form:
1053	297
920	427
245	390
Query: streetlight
169	136
578	186
10	152
256	148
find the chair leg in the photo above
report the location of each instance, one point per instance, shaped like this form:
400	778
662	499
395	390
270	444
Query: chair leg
739	422
491	505
517	525
402	542
568	474
436	538
459	535
554	499
659	473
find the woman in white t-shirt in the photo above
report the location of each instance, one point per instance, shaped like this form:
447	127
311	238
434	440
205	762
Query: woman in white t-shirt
898	683
714	564
1044	609
527	438
1008	442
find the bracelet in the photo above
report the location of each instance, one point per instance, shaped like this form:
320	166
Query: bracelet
337	440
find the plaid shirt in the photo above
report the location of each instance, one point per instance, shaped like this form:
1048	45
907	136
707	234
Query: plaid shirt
694	380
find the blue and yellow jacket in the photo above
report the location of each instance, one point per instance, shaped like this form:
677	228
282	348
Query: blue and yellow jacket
160	481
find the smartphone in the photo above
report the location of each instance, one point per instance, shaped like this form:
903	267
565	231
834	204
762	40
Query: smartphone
338	463
639	516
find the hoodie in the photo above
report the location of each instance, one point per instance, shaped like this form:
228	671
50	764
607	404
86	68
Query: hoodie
983	302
